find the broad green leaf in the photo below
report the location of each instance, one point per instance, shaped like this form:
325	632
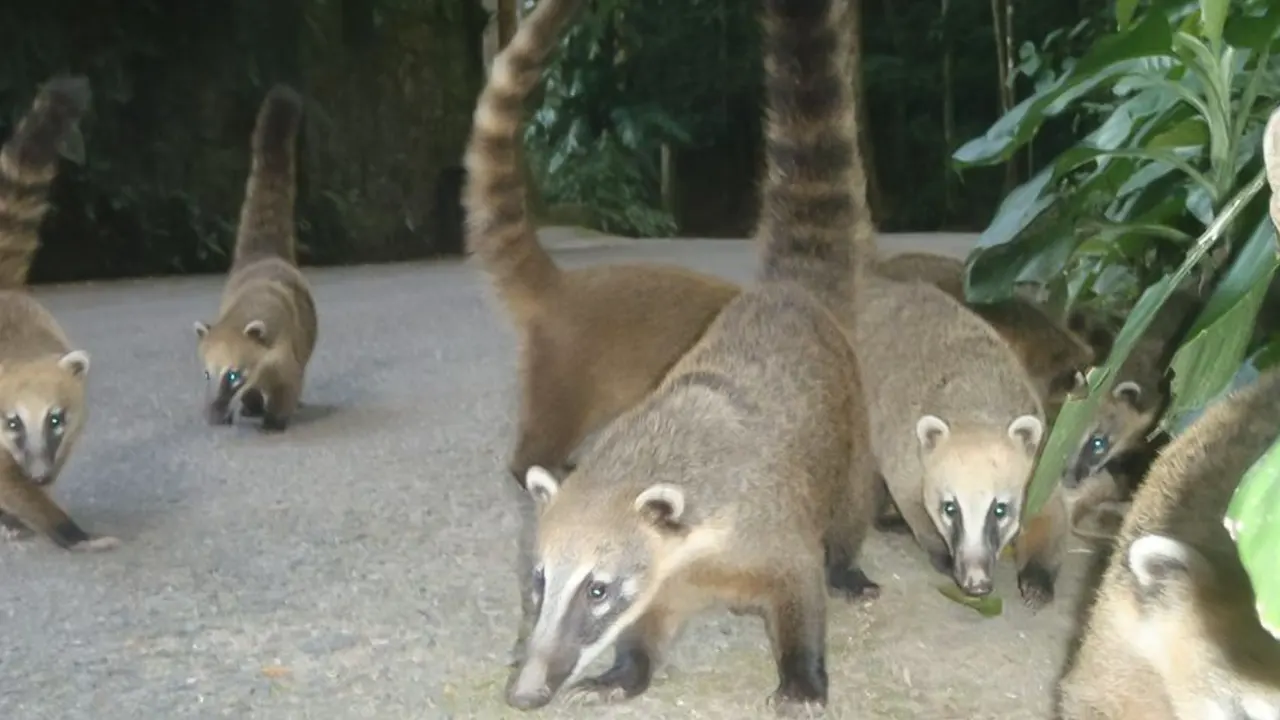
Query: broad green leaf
1254	31
1124	13
1213	15
1108	58
1215	345
1068	429
987	606
1253	522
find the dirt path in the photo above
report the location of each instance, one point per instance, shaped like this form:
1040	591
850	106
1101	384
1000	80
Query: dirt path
360	566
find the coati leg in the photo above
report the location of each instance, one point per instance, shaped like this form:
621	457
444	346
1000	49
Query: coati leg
637	653
30	506
252	404
280	405
888	517
796	622
552	408
1038	549
844	539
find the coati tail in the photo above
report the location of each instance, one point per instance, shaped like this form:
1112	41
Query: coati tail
499	231
812	189
28	166
266	217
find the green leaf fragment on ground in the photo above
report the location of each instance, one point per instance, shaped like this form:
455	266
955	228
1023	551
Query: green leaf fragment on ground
989	606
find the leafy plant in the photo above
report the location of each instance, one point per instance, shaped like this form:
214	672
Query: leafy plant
1162	193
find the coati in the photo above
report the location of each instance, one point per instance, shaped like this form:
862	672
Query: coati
745	478
1117	436
1173	633
42	375
255	355
1053	355
592	341
956	427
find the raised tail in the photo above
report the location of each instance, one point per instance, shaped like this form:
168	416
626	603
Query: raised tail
499	231
28	166
266	215
813	197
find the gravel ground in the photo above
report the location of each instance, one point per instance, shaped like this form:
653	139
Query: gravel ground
360	566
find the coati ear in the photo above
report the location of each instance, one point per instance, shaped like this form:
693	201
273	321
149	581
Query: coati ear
1159	562
932	431
202	329
661	504
257	330
1028	430
541	484
1128	392
75	362
1101	522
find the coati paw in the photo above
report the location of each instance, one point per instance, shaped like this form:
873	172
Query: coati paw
628	677
1036	585
853	584
15	533
797	699
273	423
252	405
97	544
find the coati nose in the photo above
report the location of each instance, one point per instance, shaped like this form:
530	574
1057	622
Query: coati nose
524	699
42	477
977	586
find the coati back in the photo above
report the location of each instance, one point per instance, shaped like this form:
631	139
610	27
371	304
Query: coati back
592	341
255	355
745	478
956	427
1054	356
42	377
1173	632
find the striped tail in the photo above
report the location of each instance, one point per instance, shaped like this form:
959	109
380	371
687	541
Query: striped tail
499	231
266	215
28	166
814	188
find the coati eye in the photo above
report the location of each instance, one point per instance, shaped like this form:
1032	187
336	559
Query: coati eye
597	591
949	508
234	376
539	581
56	419
1098	444
1000	510
207	376
13	423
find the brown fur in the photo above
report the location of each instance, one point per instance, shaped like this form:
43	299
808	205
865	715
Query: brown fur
1202	609
1053	355
746	474
42	377
952	365
592	341
256	353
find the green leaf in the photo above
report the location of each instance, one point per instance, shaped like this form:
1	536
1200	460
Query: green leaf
1214	347
1108	58
1124	13
1213	15
1253	522
988	606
